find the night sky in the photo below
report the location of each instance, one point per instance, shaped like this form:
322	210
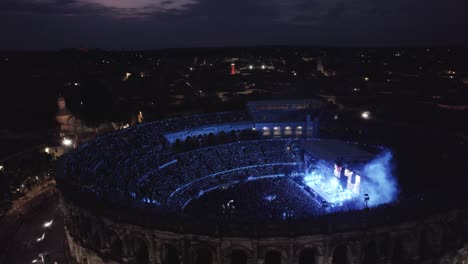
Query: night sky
148	24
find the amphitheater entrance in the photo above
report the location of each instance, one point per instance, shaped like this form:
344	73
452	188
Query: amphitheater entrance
140	251
341	255
399	252
203	256
308	256
114	244
370	256
170	255
273	257
238	257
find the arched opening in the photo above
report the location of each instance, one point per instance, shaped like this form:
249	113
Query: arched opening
114	244
140	251
96	240
370	255
425	249
170	255
449	238
177	144
233	136
203	256
238	257
273	257
307	256
85	228
211	139
340	255
399	253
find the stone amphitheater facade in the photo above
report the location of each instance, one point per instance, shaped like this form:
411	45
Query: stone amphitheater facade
122	231
95	239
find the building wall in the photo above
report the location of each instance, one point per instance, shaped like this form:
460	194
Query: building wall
439	239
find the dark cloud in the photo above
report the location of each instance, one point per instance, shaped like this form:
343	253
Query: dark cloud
182	23
115	8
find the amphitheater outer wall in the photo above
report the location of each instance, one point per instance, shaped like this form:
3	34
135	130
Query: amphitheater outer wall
95	239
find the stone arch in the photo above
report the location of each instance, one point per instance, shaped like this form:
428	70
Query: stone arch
74	225
425	247
234	134
203	255
450	237
271	254
86	228
238	254
400	252
114	243
96	238
273	257
85	259
140	249
341	255
238	257
308	255
371	254
170	254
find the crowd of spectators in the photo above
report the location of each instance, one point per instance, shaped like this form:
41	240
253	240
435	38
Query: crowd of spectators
133	150
269	198
194	171
191	121
211	139
153	173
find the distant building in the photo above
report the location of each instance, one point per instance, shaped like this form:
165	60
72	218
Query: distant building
320	65
73	129
66	121
233	68
325	71
284	105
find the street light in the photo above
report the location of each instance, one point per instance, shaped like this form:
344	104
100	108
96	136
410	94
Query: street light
48	224
366	115
67	142
41	238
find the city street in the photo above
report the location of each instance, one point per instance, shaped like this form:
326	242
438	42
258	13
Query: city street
39	231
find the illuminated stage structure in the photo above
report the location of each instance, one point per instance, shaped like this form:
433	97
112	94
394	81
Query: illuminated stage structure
335	174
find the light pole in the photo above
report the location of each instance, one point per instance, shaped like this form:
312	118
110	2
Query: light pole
366	200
